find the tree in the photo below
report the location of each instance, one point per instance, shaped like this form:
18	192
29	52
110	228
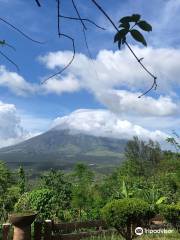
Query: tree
174	141
8	193
127	26
168	176
56	182
171	213
152	195
22	180
81	195
41	201
127	214
141	157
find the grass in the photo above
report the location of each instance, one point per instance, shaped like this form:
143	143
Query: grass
170	236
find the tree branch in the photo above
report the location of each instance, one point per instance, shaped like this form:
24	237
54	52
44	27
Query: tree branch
66	36
38	3
154	84
10	46
70	62
11	61
18	30
58	18
86	42
83	19
74	5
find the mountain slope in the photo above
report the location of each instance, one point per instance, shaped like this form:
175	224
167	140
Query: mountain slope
62	147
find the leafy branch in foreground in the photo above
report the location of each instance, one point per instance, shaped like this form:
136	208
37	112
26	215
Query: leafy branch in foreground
174	141
4	43
127	26
120	36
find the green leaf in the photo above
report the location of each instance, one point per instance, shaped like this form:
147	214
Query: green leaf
119	44
132	18
120	35
123	40
135	17
145	26
138	36
2	42
160	200
124	190
126	19
125	25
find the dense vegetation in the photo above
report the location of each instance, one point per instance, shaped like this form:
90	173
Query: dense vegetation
145	184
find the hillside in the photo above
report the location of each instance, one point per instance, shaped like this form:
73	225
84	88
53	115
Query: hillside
62	148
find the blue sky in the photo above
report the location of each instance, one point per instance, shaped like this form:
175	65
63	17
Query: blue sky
98	95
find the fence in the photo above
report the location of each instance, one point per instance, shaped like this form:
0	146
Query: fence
62	231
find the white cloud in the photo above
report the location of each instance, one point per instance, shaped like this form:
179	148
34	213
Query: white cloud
58	86
16	127
104	123
19	86
119	70
115	79
107	73
16	83
120	101
11	131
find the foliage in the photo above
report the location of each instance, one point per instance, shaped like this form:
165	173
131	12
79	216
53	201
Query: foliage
41	201
147	173
174	141
81	195
126	26
125	191
171	213
173	236
6	193
56	182
153	196
5	178
142	158
127	214
23	204
22	180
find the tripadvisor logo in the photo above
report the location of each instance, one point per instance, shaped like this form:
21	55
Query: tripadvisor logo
139	231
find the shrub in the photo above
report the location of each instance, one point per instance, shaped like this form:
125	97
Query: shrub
40	200
23	204
172	214
127	214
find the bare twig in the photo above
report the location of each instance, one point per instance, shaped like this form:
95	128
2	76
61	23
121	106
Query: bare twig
4	43
83	19
154	84
74	5
38	3
11	61
10	46
58	17
18	30
66	36
86	42
70	62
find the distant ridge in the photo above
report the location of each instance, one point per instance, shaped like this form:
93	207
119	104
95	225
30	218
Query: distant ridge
60	147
